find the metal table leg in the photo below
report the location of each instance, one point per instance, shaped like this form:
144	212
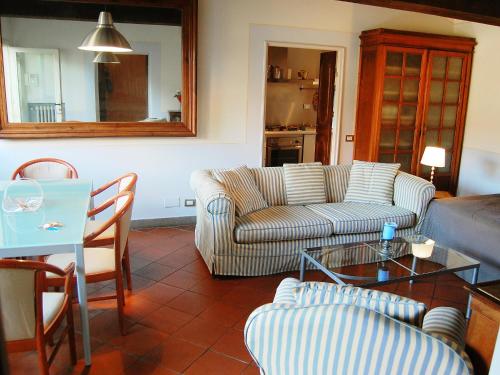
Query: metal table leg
475	276
302	266
82	299
413	268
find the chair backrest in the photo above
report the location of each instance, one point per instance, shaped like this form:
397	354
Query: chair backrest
343	339
17	291
124	204
127	182
21	287
45	168
121	218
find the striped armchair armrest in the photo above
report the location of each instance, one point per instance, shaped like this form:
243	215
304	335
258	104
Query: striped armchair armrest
414	194
343	339
212	195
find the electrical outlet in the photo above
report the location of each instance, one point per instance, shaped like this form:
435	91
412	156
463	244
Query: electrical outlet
189	202
171	202
306	106
349	138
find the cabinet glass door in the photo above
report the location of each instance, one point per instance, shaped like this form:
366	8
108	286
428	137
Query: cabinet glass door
398	117
442	111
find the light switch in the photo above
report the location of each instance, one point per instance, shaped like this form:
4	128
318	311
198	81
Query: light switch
349	138
307	106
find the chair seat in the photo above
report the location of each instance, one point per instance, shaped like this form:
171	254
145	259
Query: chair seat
52	304
93	225
362	217
281	223
97	260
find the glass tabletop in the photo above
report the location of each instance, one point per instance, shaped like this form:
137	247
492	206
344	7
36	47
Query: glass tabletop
371	262
60	220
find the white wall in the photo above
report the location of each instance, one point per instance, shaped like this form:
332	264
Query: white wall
230	133
162	44
480	164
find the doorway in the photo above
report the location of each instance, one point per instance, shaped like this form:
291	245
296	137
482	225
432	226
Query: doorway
299	105
123	89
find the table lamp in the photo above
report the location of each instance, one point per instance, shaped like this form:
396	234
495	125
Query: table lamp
433	157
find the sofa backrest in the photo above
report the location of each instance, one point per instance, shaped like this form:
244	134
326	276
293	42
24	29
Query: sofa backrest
343	339
271	183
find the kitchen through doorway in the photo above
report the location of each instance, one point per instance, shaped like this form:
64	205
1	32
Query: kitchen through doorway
299	105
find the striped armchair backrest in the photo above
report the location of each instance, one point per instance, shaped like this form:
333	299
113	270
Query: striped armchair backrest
271	183
343	339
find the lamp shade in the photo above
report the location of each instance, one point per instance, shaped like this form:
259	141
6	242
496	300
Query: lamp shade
433	157
106	58
105	38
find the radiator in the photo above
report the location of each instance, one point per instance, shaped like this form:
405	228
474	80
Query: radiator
46	112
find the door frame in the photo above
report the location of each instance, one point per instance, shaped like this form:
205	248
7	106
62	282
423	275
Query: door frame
337	96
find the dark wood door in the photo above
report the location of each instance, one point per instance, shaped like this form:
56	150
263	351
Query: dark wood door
123	89
326	91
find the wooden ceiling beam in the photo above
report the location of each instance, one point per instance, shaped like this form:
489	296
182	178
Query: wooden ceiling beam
482	11
141	12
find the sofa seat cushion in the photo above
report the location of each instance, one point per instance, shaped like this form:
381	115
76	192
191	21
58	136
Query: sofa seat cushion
280	223
362	217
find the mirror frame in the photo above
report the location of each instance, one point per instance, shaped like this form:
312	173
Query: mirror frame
185	128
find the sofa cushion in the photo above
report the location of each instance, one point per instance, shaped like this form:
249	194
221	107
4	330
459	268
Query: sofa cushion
305	183
362	217
337	180
240	184
371	182
281	223
271	183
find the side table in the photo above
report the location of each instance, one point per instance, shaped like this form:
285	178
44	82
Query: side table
483	325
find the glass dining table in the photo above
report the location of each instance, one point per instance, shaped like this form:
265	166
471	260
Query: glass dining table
57	226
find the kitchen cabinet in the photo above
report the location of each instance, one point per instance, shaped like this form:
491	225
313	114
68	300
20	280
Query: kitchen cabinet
412	93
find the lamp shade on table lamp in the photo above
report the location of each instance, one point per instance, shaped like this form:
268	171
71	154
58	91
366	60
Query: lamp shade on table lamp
433	157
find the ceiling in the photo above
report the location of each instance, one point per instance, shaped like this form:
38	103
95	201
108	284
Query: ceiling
482	11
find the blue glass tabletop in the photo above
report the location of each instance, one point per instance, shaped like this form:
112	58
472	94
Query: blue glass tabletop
43	214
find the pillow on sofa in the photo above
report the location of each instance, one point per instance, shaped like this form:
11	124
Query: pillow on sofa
241	186
304	183
371	182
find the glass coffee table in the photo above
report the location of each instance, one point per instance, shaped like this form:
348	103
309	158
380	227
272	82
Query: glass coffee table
372	263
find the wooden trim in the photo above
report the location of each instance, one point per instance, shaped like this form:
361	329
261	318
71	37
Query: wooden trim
482	11
413	39
186	128
130	186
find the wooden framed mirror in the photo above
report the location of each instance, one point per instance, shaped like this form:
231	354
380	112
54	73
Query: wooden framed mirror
51	89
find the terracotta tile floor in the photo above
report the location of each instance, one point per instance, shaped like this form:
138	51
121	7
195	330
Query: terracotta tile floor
180	320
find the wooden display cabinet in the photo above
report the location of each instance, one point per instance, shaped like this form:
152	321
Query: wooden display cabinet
412	93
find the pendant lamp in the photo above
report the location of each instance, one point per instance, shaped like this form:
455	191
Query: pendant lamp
106	58
105	37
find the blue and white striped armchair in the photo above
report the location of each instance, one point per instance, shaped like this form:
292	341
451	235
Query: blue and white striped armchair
322	328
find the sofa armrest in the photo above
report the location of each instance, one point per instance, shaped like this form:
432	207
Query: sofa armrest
211	194
413	193
448	322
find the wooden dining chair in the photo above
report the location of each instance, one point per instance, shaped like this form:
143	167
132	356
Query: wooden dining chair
126	182
103	263
45	168
31	316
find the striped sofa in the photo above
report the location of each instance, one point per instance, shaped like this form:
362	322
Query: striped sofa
269	240
323	328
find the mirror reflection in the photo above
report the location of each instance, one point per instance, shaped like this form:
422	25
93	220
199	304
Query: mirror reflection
49	79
